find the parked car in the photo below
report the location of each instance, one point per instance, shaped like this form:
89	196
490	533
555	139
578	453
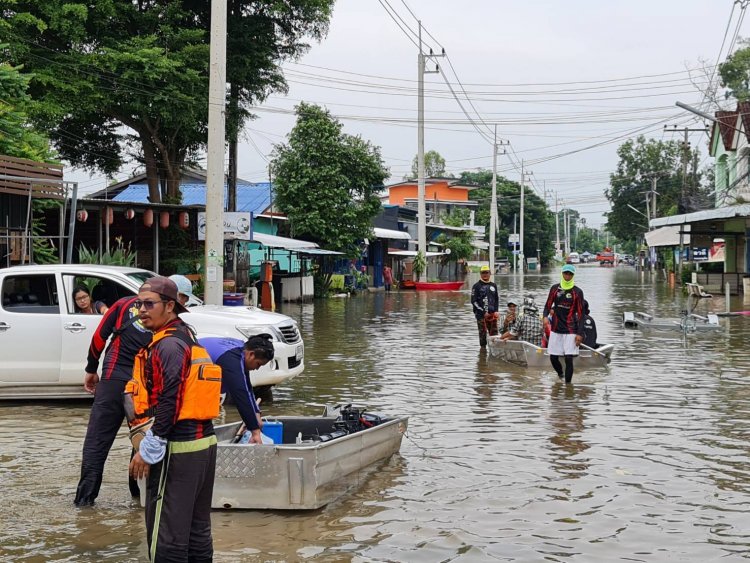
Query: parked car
44	342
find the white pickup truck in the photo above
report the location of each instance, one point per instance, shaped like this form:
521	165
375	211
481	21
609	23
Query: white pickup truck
44	343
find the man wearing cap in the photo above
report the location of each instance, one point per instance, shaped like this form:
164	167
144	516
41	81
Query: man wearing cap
178	454
510	318
484	302
564	312
184	288
529	325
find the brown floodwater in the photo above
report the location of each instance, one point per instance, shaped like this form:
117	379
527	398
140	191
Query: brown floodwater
645	460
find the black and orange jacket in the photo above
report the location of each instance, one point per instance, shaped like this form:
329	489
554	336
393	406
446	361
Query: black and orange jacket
118	360
566	308
167	385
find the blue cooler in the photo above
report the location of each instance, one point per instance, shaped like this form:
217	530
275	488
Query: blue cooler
234	299
274	429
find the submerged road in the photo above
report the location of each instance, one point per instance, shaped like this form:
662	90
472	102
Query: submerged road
646	460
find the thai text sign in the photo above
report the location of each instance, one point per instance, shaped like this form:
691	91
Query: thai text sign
237	225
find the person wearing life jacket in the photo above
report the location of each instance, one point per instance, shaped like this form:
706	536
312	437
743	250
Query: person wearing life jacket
177	454
484	302
123	336
565	307
237	360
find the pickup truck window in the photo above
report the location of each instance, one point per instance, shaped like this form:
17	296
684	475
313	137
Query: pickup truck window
30	294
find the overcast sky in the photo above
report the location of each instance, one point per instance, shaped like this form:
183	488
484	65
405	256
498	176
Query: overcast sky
556	76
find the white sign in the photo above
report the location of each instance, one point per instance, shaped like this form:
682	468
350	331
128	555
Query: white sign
237	225
514	237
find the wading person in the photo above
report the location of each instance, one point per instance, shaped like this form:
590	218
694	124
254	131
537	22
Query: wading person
484	303
237	360
589	328
564	312
175	383
126	336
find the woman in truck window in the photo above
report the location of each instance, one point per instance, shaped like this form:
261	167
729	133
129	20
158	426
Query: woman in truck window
84	305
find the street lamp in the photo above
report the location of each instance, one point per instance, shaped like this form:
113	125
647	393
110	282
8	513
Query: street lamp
704	115
639	212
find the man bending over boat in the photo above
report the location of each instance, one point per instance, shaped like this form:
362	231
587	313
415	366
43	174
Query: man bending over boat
589	328
484	302
237	359
564	311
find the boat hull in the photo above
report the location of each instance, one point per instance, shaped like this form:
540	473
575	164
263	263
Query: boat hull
305	476
526	354
438	286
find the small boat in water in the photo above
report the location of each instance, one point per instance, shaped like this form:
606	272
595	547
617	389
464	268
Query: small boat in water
317	460
527	354
688	323
439	286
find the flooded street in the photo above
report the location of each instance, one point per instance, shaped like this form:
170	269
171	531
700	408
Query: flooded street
646	460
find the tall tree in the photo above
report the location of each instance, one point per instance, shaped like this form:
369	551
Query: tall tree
434	165
327	181
117	79
539	221
17	136
640	162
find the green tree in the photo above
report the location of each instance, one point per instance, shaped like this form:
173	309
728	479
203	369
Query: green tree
735	73
640	162
117	79
17	137
327	181
539	222
434	165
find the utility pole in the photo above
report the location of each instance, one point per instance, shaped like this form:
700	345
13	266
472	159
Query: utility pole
515	245
521	250
557	228
682	204
421	207
215	154
493	202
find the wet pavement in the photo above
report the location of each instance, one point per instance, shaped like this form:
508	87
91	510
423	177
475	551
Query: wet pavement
645	460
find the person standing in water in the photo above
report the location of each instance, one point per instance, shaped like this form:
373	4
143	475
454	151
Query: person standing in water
564	312
484	302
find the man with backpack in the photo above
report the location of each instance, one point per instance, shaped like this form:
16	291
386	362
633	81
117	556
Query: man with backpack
119	327
177	386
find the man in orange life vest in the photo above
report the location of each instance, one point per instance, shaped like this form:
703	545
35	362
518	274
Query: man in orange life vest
177	455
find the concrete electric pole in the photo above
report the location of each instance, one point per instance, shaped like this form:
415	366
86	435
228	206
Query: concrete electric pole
421	206
215	155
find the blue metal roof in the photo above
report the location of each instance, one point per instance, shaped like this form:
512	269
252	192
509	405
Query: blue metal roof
250	197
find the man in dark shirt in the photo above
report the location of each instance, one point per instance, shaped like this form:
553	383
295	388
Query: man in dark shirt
484	303
564	307
237	359
128	336
589	328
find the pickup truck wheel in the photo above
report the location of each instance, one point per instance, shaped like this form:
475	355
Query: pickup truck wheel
264	392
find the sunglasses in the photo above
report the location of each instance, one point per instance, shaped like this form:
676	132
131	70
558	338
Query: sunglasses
146	304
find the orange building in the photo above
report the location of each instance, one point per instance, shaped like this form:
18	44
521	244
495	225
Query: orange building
437	190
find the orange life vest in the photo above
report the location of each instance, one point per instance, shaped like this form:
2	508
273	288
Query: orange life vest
201	393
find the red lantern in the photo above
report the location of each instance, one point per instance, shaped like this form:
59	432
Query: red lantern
183	220
82	215
148	217
107	216
129	213
164	219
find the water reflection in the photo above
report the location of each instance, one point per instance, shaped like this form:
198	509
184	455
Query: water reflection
567	414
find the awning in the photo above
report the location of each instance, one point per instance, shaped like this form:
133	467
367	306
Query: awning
667	236
480	244
414	253
390	233
319	252
273	241
707	215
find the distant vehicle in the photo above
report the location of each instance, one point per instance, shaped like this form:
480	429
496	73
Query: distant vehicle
574	258
45	343
606	257
626	259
